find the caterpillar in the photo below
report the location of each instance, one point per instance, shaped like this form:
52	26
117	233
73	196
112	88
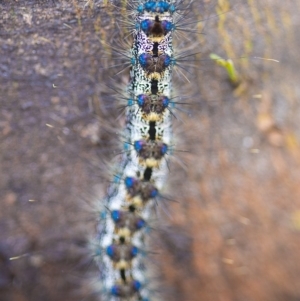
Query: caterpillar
130	204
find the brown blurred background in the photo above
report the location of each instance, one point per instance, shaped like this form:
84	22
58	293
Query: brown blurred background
233	233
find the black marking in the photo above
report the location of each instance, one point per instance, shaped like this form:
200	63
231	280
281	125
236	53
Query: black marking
131	208
147	174
152	130
154	86
123	275
155	49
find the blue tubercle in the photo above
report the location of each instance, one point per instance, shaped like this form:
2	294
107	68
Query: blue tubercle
154	193
129	182
172	8
134	251
126	146
156	7
103	215
164	149
141	99
150	5
143	59
168	60
130	102
98	252
146	25
116	179
167	25
115	290
116	215
136	285
110	250
140	8
138	145
165	101
140	223
162	6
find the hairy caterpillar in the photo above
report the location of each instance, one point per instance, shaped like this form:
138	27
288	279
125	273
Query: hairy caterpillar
130	205
234	231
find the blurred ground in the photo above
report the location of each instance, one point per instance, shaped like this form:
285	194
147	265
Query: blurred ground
233	235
